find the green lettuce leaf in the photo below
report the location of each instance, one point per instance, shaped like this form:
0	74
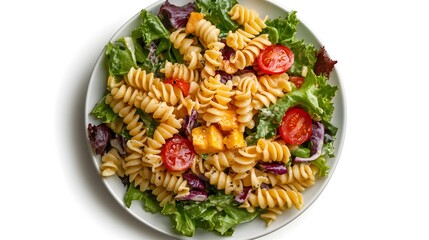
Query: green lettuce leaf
315	96
149	122
151	28
219	213
282	30
322	165
216	11
104	112
304	55
182	223
119	59
148	200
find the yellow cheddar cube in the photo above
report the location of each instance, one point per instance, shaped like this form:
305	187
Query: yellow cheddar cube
199	139
229	121
234	140
194	18
207	140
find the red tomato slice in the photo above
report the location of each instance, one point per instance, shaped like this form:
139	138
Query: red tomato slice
296	126
180	83
177	153
275	59
298	81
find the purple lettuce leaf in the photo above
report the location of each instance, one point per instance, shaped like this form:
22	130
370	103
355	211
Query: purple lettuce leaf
173	16
316	139
278	168
119	143
224	77
99	137
194	195
194	181
189	122
241	197
226	51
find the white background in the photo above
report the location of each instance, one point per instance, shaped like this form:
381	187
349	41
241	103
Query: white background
50	189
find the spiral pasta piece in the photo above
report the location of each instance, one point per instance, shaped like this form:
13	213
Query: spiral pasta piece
132	164
238	40
166	93
207	91
247	56
275	197
163	196
171	181
297	172
273	151
224	181
242	14
218	104
198	166
247	86
166	130
213	60
112	82
130	117
206	32
192	54
159	110
141	80
271	214
298	186
245	160
142	180
180	71
255	178
221	160
249	18
271	87
111	163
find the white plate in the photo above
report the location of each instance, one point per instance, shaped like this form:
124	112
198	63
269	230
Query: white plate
256	228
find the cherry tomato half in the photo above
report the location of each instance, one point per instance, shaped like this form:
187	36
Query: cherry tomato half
296	126
177	153
298	81
179	83
275	59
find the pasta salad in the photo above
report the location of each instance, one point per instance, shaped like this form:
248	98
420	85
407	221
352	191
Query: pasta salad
214	115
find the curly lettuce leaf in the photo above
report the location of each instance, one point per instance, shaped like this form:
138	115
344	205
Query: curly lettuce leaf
216	11
151	28
315	96
148	201
218	213
104	112
282	30
322	165
154	37
305	55
182	223
119	59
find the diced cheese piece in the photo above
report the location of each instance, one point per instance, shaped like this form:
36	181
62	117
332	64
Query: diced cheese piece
215	140
199	139
229	121
234	140
194	18
207	140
